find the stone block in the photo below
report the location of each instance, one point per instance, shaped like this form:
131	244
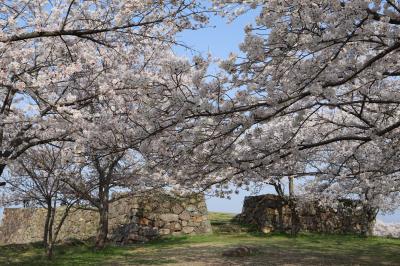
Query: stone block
199	219
169	217
164	231
185	216
160	224
148	208
191	208
177	227
187	229
177	209
144	221
193	224
150	216
193	200
166	205
149	231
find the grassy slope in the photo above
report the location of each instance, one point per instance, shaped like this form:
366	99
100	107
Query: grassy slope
307	249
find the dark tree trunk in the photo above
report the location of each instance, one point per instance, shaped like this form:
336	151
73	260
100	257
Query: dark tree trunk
49	251
280	218
280	192
279	189
46	225
293	212
105	177
295	228
53	233
102	230
2	167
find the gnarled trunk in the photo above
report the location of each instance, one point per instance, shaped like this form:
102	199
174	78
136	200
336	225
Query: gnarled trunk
368	220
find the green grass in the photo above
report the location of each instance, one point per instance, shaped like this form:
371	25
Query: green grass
275	249
224	223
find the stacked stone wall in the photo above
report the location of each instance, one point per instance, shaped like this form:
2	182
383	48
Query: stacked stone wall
273	213
130	220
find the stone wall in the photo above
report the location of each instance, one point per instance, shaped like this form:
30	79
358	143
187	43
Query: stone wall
273	213
130	220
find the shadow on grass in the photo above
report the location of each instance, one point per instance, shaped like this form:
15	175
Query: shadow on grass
81	253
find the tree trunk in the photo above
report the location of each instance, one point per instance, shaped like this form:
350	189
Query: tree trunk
49	251
2	167
50	244
102	230
294	219
368	220
292	205
46	225
281	193
280	219
103	201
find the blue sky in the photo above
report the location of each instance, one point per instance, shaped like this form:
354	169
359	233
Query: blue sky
220	39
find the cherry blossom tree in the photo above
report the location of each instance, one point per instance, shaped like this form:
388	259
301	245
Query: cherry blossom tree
94	180
101	177
314	92
36	177
100	75
57	56
331	68
114	133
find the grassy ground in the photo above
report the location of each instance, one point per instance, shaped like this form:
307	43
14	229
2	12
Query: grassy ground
275	249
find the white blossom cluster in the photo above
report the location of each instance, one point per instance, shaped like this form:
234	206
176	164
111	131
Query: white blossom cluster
88	71
314	95
386	229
